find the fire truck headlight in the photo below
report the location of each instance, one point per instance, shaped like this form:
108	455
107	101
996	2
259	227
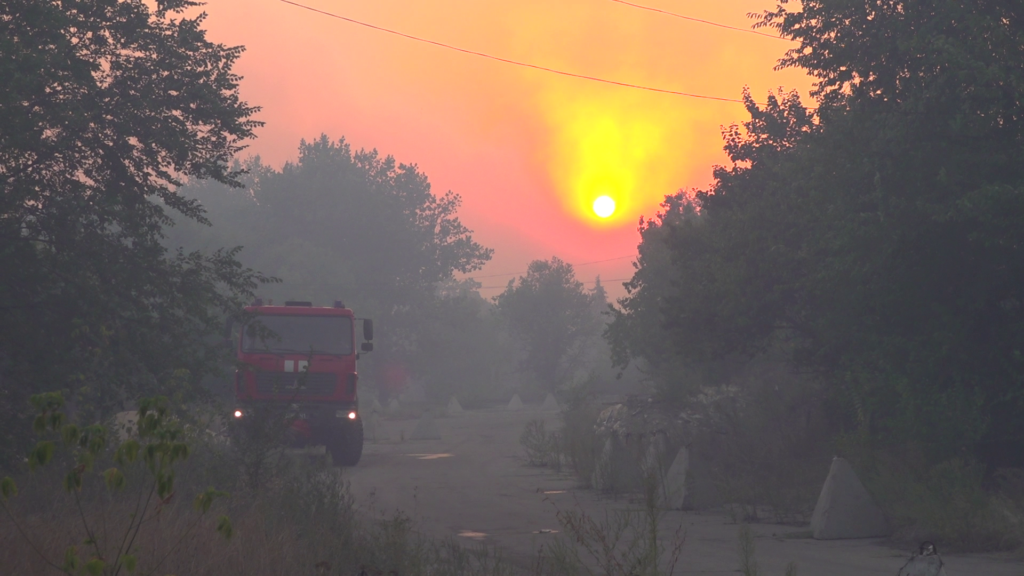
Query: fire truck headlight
238	414
351	415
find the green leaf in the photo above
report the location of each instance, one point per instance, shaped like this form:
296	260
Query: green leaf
8	488
70	434
97	439
114	478
129	561
95	567
70	564
47	401
165	484
127	452
204	500
86	460
73	479
179	451
224	527
41	454
56	420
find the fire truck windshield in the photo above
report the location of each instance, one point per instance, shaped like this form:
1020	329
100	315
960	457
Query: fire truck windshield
298	335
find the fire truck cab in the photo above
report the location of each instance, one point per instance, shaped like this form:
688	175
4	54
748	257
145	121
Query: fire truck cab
299	361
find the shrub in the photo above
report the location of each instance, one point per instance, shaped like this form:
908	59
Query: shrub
542	448
138	485
579	442
953	503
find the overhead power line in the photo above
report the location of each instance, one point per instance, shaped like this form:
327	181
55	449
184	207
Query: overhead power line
692	19
513	62
574	265
582	282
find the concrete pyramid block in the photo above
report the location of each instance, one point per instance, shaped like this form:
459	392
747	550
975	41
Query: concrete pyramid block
426	428
845	509
370	426
375	407
454	407
515	403
393	406
673	483
550	404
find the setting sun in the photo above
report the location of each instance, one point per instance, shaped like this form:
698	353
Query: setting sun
604	206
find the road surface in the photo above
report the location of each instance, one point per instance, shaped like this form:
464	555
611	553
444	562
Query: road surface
474	484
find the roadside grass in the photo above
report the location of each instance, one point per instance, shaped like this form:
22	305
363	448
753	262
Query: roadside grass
953	503
747	552
301	520
621	543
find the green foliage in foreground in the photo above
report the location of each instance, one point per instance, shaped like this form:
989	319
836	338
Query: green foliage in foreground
157	447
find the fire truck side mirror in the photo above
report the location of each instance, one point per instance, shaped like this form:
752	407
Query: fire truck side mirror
367	330
366	347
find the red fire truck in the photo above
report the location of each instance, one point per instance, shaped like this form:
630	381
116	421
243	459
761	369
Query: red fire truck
298	361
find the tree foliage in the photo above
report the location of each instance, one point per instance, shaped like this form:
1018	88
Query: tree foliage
106	107
877	239
350	225
554	319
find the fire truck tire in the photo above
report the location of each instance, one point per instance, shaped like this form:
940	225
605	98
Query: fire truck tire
346	447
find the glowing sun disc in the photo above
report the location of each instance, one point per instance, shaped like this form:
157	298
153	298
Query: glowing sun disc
604	206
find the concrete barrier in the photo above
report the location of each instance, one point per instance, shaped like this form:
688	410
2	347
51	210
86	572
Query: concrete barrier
845	509
515	403
673	486
550	404
454	407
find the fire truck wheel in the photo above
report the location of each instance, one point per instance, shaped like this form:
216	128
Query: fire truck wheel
346	447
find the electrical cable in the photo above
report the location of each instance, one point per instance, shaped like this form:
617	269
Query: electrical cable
692	19
513	62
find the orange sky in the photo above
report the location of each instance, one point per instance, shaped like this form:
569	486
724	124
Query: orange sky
528	151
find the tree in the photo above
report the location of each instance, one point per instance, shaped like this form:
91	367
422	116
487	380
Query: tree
107	106
464	346
348	225
637	333
875	242
553	318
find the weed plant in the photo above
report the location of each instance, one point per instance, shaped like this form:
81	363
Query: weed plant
953	503
621	543
542	448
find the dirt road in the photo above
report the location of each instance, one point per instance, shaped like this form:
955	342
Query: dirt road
474	484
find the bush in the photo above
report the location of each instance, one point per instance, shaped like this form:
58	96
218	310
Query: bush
621	543
542	448
111	521
764	444
579	442
953	503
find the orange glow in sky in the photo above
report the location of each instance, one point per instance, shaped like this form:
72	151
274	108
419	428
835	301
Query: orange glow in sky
529	151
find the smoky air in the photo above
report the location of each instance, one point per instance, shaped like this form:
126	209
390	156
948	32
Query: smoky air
519	289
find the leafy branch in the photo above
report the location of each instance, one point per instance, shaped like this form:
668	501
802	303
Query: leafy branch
157	446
